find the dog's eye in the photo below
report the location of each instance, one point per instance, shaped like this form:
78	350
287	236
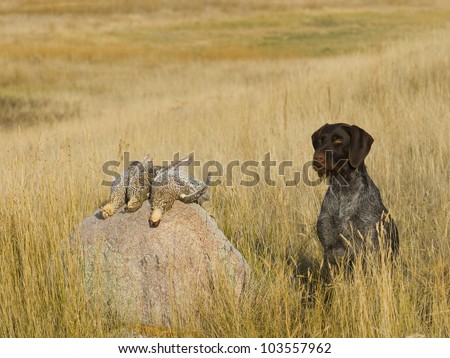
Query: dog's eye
337	141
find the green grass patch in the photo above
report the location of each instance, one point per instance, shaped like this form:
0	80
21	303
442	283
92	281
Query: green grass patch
304	34
54	59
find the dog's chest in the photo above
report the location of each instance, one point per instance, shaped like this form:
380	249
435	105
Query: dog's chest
342	205
342	210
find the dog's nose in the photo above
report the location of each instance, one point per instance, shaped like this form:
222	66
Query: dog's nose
154	223
319	160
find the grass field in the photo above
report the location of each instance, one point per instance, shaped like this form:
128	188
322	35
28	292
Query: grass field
83	81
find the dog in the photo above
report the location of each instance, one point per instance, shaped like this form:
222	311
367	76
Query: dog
353	217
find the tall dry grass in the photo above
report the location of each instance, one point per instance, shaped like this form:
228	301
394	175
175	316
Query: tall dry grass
227	110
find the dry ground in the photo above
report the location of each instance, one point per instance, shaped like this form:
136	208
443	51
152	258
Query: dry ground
82	81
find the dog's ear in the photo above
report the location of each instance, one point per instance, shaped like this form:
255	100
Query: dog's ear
315	136
360	144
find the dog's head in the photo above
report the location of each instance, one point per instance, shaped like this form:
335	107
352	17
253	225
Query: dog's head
339	147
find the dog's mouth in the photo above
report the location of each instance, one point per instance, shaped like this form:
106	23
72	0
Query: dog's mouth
320	168
322	172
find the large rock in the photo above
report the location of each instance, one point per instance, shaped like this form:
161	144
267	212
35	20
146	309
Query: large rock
145	273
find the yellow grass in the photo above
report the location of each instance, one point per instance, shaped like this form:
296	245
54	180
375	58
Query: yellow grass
81	83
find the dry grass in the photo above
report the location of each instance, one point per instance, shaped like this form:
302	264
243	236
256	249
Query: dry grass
146	95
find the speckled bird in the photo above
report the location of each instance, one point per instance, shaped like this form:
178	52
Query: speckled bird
132	188
174	183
